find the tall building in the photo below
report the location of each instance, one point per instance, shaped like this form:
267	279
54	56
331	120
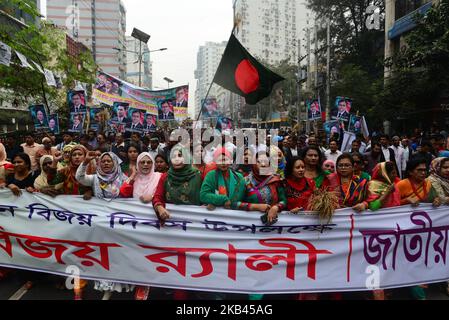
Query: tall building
132	63
98	24
270	30
208	59
19	14
399	20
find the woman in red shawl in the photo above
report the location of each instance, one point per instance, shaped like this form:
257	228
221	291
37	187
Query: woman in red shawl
298	188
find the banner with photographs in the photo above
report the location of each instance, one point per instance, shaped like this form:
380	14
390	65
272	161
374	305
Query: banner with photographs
313	109
53	123
109	90
224	123
341	109
210	108
39	115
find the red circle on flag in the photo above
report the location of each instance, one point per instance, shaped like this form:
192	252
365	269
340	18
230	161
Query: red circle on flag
247	77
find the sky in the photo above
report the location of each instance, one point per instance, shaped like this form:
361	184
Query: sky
182	26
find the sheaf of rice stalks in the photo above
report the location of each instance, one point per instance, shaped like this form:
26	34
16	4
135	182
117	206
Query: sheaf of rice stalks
324	203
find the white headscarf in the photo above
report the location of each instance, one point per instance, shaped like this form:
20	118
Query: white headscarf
145	184
41	181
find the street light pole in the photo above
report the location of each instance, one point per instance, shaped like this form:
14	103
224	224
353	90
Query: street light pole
140	63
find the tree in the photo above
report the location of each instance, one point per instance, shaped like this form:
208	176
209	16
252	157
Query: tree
357	53
420	70
46	45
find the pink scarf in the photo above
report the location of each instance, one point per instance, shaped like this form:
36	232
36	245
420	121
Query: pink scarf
145	184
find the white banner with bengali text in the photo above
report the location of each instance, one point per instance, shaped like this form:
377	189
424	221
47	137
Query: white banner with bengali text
223	250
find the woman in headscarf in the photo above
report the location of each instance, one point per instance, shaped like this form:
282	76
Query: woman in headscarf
66	152
180	186
382	191
280	166
161	164
298	188
439	178
41	183
264	189
329	166
65	180
222	187
4	165
349	188
313	159
132	152
106	184
142	185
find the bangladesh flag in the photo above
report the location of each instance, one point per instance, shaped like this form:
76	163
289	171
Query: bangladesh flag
240	73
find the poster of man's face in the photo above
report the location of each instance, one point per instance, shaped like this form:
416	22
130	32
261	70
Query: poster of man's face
210	108
76	122
39	116
150	122
355	124
332	129
166	110
224	124
77	101
342	109
95	118
107	84
314	109
182	97
53	123
137	118
120	113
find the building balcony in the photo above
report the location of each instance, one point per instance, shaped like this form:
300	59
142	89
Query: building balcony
407	22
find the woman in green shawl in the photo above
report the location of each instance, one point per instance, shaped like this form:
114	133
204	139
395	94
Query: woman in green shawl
180	186
222	187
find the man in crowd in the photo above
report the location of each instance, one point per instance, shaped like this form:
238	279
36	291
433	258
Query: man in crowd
424	152
93	142
47	149
387	152
31	148
118	147
12	148
355	146
373	157
155	147
333	153
67	139
401	163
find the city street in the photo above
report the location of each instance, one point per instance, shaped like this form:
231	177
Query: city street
45	288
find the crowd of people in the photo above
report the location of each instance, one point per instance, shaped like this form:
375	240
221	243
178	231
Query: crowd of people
375	172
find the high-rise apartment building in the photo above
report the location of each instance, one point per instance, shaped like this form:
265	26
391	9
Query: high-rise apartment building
98	24
132	63
271	29
208	59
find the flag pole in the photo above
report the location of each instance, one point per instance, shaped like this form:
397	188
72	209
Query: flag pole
210	86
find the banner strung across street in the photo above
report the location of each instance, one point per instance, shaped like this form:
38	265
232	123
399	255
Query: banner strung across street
170	104
228	251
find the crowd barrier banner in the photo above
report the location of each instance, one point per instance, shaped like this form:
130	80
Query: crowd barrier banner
223	250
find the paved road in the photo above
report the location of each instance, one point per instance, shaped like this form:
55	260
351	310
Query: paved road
45	288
